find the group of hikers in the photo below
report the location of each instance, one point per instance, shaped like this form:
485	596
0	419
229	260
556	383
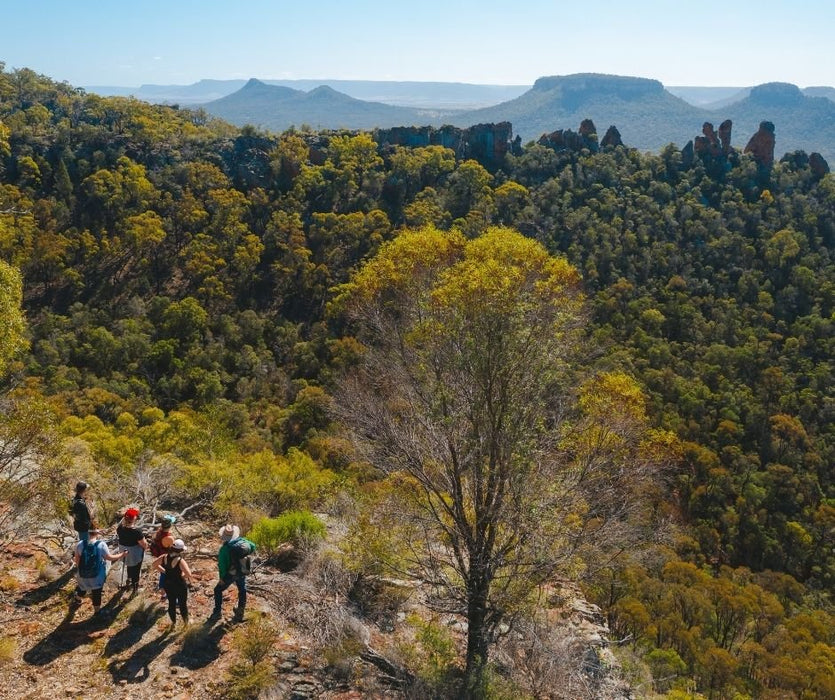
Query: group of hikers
91	555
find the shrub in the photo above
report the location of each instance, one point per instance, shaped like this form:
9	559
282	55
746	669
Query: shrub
297	527
254	640
9	584
248	677
8	647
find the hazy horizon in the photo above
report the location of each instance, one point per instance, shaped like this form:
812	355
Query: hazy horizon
470	42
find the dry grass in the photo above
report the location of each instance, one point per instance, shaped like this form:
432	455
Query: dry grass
8	647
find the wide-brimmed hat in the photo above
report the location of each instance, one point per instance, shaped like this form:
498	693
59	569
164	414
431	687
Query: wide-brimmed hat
179	546
167	541
229	532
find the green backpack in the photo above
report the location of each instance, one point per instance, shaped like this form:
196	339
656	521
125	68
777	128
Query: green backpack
240	554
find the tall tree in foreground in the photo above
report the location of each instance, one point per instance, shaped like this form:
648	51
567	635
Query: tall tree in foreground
12	323
468	397
30	464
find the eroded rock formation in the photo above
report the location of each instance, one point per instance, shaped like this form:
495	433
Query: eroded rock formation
712	148
818	165
707	144
486	143
611	138
568	140
725	136
761	145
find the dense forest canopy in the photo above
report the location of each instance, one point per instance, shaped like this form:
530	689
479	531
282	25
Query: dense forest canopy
177	274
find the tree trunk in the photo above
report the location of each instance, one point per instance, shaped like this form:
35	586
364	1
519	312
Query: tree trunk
478	641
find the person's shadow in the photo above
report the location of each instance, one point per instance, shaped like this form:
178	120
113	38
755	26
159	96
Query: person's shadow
41	594
69	635
140	621
201	646
136	668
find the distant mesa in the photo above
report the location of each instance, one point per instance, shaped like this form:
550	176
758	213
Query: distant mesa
776	94
581	85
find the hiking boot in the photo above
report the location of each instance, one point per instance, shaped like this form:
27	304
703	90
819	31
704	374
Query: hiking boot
238	616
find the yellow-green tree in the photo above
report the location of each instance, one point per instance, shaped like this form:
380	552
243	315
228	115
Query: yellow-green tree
12	324
466	396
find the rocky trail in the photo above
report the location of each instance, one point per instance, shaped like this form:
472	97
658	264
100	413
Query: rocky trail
49	648
320	644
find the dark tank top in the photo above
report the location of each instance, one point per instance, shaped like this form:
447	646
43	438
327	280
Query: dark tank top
173	572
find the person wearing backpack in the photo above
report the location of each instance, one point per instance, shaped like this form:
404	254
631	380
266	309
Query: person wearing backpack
90	557
234	563
158	548
82	517
177	575
132	541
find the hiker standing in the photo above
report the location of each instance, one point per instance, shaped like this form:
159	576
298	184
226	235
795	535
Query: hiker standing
82	517
177	575
132	541
90	557
233	565
158	548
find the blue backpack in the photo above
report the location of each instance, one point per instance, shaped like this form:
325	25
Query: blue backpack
88	562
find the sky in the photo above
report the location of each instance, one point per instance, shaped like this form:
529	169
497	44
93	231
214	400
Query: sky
679	42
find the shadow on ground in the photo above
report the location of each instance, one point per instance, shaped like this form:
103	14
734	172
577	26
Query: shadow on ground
41	594
140	621
69	635
201	646
136	668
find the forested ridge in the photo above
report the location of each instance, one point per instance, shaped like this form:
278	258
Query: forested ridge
178	279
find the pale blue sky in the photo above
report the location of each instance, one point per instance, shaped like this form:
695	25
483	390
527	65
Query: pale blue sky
680	42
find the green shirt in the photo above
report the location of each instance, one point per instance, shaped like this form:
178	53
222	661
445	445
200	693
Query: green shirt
224	560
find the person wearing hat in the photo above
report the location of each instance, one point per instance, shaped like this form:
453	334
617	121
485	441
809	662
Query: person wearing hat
158	548
132	541
82	516
90	557
177	575
230	571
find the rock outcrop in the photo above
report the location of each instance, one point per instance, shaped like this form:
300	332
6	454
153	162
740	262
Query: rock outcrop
688	156
568	140
611	138
818	165
712	148
486	143
761	145
707	144
725	136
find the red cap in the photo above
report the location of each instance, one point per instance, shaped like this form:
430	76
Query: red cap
132	513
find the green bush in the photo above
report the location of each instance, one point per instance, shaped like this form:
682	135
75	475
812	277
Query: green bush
297	527
253	673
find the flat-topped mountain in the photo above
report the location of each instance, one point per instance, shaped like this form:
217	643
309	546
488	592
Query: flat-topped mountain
647	115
